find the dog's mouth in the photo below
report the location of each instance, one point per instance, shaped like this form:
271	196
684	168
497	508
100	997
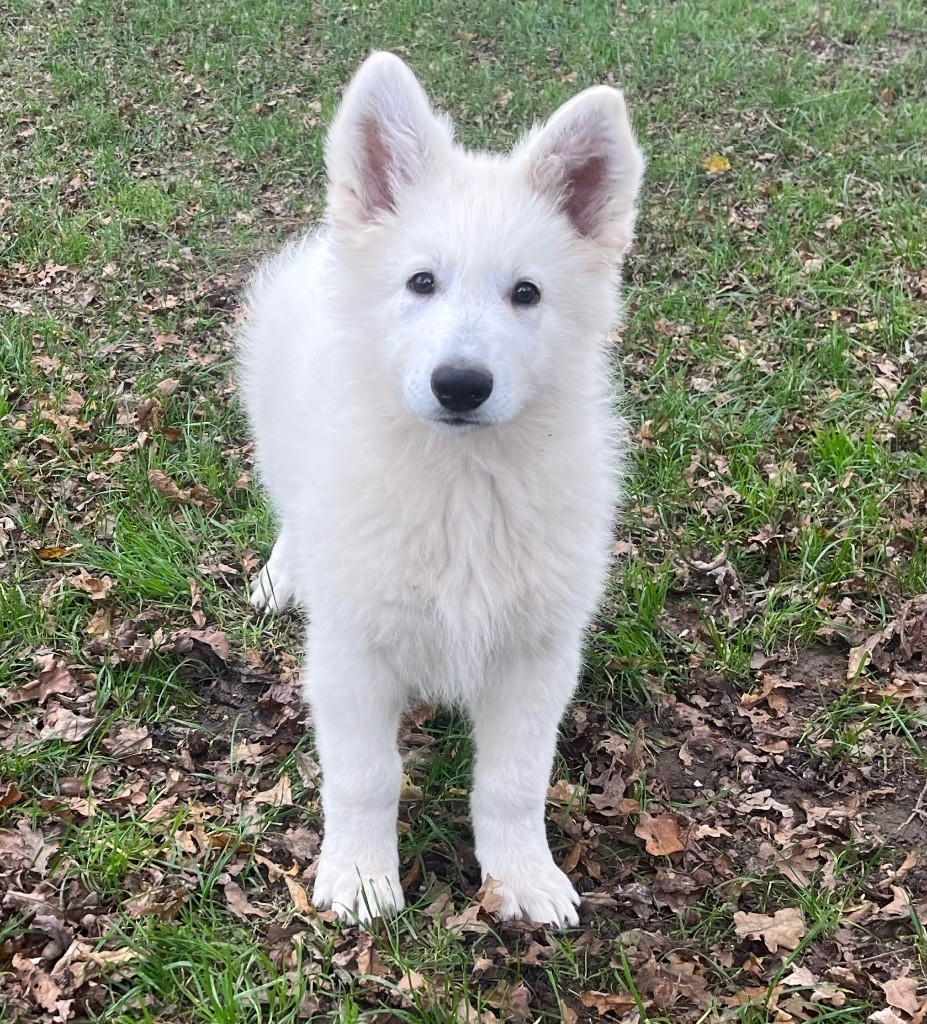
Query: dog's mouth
458	422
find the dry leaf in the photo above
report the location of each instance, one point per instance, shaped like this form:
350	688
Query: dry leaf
661	835
164	485
128	740
280	795
96	586
608	1002
901	993
238	901
10	795
784	930
196	603
564	792
61	724
299	896
51	554
54	677
715	164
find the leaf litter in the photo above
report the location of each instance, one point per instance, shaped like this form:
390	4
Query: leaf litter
693	840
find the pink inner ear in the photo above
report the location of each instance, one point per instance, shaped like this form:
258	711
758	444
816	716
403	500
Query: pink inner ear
585	195
375	170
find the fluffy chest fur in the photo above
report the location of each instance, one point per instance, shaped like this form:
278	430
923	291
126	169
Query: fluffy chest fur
448	561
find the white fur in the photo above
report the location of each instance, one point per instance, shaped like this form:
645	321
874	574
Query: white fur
460	563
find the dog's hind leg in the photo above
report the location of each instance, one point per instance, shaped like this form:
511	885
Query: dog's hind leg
515	723
272	590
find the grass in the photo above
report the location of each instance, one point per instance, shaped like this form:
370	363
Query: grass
774	359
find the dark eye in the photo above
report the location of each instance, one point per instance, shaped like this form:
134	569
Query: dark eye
526	294
422	283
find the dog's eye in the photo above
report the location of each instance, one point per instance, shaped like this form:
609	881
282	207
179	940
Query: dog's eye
422	283
526	294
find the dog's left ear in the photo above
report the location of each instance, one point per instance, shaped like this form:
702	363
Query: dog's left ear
586	161
384	139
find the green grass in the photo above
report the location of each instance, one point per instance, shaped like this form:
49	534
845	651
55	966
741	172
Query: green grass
774	356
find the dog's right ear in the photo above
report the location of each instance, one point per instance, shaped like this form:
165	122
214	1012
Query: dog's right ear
384	139
585	159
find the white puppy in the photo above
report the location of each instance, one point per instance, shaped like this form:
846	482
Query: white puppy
428	383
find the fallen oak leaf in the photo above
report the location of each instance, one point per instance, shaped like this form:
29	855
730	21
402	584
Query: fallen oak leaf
54	677
475	917
167	487
40	985
96	586
901	994
608	1002
661	834
184	641
196	603
280	795
64	725
563	792
368	959
9	796
128	740
783	930
238	902
26	848
299	896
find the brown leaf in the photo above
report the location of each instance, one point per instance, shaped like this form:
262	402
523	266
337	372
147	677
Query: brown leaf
661	834
54	677
783	930
900	905
26	848
196	603
572	859
128	740
608	1002
475	918
51	554
61	724
901	993
164	485
96	586
184	641
162	903
368	959
41	987
299	896
564	792
10	795
280	795
238	901
99	623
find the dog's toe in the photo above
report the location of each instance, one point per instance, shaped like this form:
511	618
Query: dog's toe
538	892
270	594
357	894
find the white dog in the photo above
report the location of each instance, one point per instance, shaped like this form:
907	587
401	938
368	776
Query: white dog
428	383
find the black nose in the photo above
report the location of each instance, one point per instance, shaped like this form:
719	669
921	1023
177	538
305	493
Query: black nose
461	388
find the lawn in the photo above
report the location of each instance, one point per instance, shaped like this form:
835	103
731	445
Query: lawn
741	789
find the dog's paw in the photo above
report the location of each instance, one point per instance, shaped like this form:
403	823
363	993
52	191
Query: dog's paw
356	892
540	892
271	591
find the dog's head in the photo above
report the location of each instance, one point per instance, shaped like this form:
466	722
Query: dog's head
472	280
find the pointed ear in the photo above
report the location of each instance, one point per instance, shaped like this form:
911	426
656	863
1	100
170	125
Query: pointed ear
586	161
384	139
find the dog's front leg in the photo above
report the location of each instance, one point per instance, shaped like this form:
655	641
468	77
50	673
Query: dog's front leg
356	707
515	723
